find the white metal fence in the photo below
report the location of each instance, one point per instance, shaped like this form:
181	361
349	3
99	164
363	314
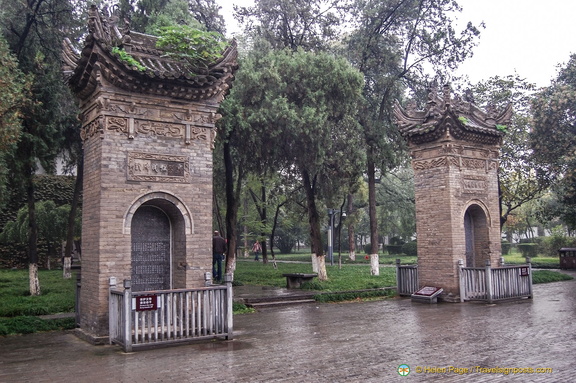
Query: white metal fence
149	318
406	279
491	284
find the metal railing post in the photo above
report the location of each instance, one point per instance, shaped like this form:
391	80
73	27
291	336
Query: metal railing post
530	276
489	289
229	307
127	333
399	288
462	283
112	314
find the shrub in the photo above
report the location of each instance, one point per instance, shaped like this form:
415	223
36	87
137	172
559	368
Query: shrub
506	247
528	249
394	249
553	243
410	249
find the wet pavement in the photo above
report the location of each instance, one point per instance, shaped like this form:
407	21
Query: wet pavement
345	342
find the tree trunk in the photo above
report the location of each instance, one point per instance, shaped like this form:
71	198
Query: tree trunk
32	233
315	233
351	228
231	210
264	220
67	264
245	228
374	261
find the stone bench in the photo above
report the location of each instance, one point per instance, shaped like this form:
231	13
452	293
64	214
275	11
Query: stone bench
295	280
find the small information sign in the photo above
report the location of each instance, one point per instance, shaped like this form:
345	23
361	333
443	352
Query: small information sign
524	272
146	302
427	291
427	294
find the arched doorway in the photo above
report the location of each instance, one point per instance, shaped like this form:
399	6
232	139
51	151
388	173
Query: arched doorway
476	236
151	249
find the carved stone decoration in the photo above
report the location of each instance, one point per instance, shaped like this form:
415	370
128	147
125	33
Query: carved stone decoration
117	124
472	184
197	133
92	129
158	168
160	129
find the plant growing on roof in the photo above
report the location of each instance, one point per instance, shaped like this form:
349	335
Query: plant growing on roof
502	128
463	120
197	47
127	58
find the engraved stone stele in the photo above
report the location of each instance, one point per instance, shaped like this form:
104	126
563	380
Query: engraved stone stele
454	147
148	132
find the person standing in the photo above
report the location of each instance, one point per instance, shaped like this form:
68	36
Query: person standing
257	249
218	250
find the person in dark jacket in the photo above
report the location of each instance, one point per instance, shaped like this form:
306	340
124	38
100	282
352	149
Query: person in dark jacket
218	250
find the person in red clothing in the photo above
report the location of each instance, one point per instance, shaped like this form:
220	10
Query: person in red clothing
218	250
257	249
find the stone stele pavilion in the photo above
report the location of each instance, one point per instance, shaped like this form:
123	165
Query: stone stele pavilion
148	134
454	148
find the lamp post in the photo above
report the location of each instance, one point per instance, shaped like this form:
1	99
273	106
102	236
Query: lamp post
332	218
330	236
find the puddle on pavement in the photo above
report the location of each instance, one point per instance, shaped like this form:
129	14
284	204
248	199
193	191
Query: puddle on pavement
224	346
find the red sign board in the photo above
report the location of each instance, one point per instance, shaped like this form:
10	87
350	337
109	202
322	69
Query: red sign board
146	302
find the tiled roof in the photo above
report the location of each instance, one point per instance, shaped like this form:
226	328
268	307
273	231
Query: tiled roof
454	116
156	73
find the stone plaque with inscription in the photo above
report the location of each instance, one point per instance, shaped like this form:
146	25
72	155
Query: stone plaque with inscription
158	168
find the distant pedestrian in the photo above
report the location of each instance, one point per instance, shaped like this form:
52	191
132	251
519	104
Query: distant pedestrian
257	249
218	250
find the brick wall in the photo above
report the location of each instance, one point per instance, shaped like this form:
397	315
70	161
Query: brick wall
452	177
131	144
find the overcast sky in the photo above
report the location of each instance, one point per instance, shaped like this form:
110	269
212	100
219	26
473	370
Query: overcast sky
528	37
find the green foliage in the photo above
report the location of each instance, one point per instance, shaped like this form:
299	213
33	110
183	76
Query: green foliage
52	224
410	249
58	294
506	247
349	277
551	244
547	276
553	140
59	189
528	249
394	249
355	295
241	308
517	169
463	120
197	47
128	59
32	324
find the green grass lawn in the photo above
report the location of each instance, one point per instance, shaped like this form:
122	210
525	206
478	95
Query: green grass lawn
349	277
19	311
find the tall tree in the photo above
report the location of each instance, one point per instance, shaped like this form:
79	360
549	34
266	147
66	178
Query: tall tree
34	31
14	94
517	171
300	108
392	43
553	139
293	24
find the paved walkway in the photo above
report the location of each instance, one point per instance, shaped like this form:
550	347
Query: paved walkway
347	342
